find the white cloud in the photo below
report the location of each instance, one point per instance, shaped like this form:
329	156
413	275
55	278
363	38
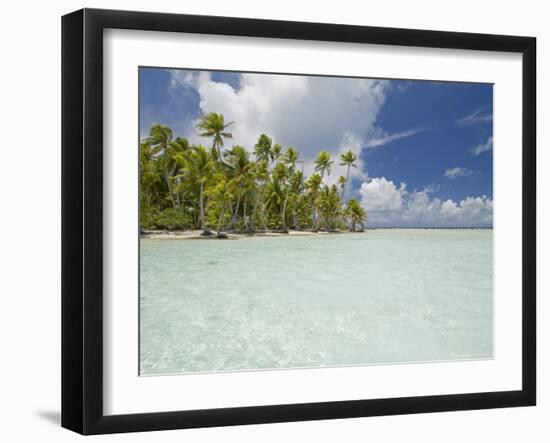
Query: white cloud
391	205
453	173
381	195
482	147
470	211
386	138
308	113
479	116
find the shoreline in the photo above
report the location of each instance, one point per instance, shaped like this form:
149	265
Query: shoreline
195	234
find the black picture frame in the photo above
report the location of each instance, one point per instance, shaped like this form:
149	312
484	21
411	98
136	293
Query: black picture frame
82	218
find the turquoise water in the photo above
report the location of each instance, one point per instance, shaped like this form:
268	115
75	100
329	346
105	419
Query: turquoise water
384	296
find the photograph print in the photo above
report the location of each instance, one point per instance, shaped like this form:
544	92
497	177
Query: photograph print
294	221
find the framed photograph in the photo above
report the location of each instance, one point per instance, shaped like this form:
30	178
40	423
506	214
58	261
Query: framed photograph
268	221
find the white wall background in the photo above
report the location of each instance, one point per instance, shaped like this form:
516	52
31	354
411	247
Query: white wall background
30	219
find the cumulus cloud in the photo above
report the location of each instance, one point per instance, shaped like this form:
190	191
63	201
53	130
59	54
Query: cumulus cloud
381	195
479	116
308	113
453	173
388	204
482	147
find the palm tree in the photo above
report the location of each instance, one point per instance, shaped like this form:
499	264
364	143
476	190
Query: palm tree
329	205
357	215
219	196
160	137
241	171
348	159
177	152
281	174
313	184
323	163
276	152
262	149
274	195
342	184
261	174
213	125
296	188
290	159
148	172
200	167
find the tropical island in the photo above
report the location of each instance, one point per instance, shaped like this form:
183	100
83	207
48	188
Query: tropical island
191	187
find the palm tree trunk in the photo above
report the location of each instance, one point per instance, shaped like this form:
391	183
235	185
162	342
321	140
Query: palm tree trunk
236	213
264	220
231	212
253	215
316	216
216	147
345	184
176	194
244	213
284	212
262	207
220	219
169	184
203	223
167	177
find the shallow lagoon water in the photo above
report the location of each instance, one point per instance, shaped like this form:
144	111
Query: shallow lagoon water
383	296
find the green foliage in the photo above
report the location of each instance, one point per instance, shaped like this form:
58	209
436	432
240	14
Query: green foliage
356	214
213	125
323	163
173	219
183	186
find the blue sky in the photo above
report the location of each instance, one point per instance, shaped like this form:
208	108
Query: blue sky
425	147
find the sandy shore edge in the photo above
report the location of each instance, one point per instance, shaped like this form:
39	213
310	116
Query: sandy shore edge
196	234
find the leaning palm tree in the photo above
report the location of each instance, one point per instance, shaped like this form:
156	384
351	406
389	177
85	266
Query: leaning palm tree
200	167
160	138
348	159
213	125
242	175
178	150
148	172
323	163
